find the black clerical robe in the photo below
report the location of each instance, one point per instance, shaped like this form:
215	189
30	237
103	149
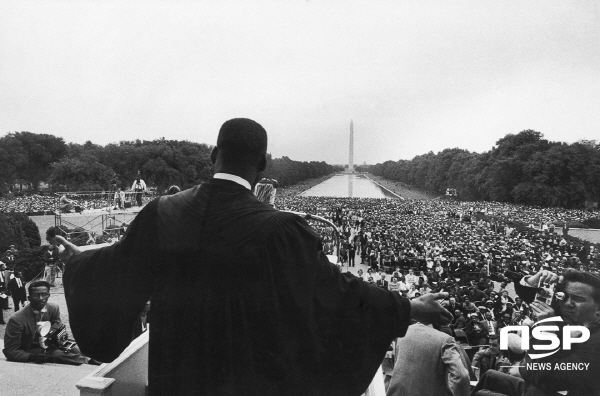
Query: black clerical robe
244	301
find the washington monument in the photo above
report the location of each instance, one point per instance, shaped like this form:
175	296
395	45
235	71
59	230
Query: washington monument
351	157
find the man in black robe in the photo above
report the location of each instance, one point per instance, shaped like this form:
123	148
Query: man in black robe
244	301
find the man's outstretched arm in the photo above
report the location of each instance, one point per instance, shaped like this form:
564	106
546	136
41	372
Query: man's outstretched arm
106	288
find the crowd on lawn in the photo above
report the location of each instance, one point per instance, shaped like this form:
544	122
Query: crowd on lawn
472	251
48	204
417	247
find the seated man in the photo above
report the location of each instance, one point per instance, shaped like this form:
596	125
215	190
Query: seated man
476	332
487	359
68	205
459	321
22	340
119	199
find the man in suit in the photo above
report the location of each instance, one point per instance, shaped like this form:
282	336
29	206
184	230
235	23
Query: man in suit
286	321
475	331
16	286
22	342
3	288
382	282
452	305
489	324
459	321
487	359
429	362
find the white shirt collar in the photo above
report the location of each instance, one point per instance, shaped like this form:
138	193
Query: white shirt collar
233	178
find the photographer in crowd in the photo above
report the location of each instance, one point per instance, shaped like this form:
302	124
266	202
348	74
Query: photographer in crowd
22	339
577	302
138	187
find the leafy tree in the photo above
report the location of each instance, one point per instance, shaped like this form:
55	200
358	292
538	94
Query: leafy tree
523	168
12	159
83	173
41	151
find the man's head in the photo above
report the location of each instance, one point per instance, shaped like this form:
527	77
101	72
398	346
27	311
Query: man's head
39	292
580	303
457	312
241	149
488	315
19	274
494	345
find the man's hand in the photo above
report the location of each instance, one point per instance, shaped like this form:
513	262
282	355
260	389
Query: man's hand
68	249
427	310
543	276
541	310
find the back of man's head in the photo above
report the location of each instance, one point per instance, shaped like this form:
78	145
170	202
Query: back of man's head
241	142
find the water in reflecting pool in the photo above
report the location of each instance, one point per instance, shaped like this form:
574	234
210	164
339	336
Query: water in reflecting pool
348	185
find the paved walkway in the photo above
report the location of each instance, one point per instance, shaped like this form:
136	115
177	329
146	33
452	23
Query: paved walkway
26	379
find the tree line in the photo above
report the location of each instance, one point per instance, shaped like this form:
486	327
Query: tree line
28	159
521	168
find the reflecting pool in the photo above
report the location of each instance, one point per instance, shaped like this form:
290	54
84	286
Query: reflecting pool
348	185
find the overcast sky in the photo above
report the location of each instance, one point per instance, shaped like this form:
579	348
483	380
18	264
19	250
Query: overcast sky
414	76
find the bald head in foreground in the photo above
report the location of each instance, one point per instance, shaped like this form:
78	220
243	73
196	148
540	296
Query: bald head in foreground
244	300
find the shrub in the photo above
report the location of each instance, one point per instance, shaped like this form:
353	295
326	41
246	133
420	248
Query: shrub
11	233
593	222
31	262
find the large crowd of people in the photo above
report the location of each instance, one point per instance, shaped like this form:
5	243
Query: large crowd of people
37	204
454	236
470	250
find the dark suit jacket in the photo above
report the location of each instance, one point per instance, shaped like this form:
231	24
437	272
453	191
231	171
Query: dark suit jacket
244	301
21	328
383	284
484	323
17	291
